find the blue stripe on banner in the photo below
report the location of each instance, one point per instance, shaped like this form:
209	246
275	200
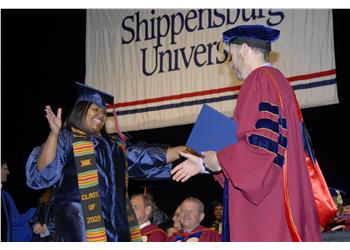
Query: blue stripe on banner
314	84
178	105
216	99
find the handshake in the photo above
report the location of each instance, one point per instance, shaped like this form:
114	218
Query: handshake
202	138
196	163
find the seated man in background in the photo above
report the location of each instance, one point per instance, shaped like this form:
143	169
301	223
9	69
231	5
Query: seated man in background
191	215
143	206
217	223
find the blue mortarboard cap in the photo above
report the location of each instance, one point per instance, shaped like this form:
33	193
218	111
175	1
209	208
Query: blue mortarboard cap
90	94
258	36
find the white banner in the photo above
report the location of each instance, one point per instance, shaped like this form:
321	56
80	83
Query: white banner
163	64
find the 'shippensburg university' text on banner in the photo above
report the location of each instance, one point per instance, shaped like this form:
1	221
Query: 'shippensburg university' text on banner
163	64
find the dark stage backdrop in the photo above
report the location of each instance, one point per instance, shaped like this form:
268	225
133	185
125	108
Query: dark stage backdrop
43	54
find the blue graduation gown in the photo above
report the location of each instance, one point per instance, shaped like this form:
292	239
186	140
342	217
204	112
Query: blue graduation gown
143	162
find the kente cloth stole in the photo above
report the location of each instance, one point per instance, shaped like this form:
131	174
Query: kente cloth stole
85	164
134	228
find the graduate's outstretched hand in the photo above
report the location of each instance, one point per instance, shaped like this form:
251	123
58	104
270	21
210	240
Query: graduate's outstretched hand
188	168
55	121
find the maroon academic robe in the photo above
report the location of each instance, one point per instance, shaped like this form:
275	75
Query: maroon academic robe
200	233
152	233
254	165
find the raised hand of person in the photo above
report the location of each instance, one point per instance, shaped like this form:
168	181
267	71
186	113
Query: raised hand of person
48	153
55	120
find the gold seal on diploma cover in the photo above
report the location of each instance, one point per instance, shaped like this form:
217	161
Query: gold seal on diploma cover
191	151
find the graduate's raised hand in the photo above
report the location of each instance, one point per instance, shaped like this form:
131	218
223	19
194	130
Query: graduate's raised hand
48	153
211	161
55	121
188	168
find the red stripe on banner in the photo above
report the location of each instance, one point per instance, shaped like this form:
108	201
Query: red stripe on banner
312	75
174	97
213	91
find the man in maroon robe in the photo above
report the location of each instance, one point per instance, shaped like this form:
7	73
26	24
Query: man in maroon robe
191	215
143	205
269	190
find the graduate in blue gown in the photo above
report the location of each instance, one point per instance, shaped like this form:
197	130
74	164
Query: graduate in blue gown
55	164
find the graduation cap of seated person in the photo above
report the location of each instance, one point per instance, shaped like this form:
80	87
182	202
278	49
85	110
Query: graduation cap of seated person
257	36
90	94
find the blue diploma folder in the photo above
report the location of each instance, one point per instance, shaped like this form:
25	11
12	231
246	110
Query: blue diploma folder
212	131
